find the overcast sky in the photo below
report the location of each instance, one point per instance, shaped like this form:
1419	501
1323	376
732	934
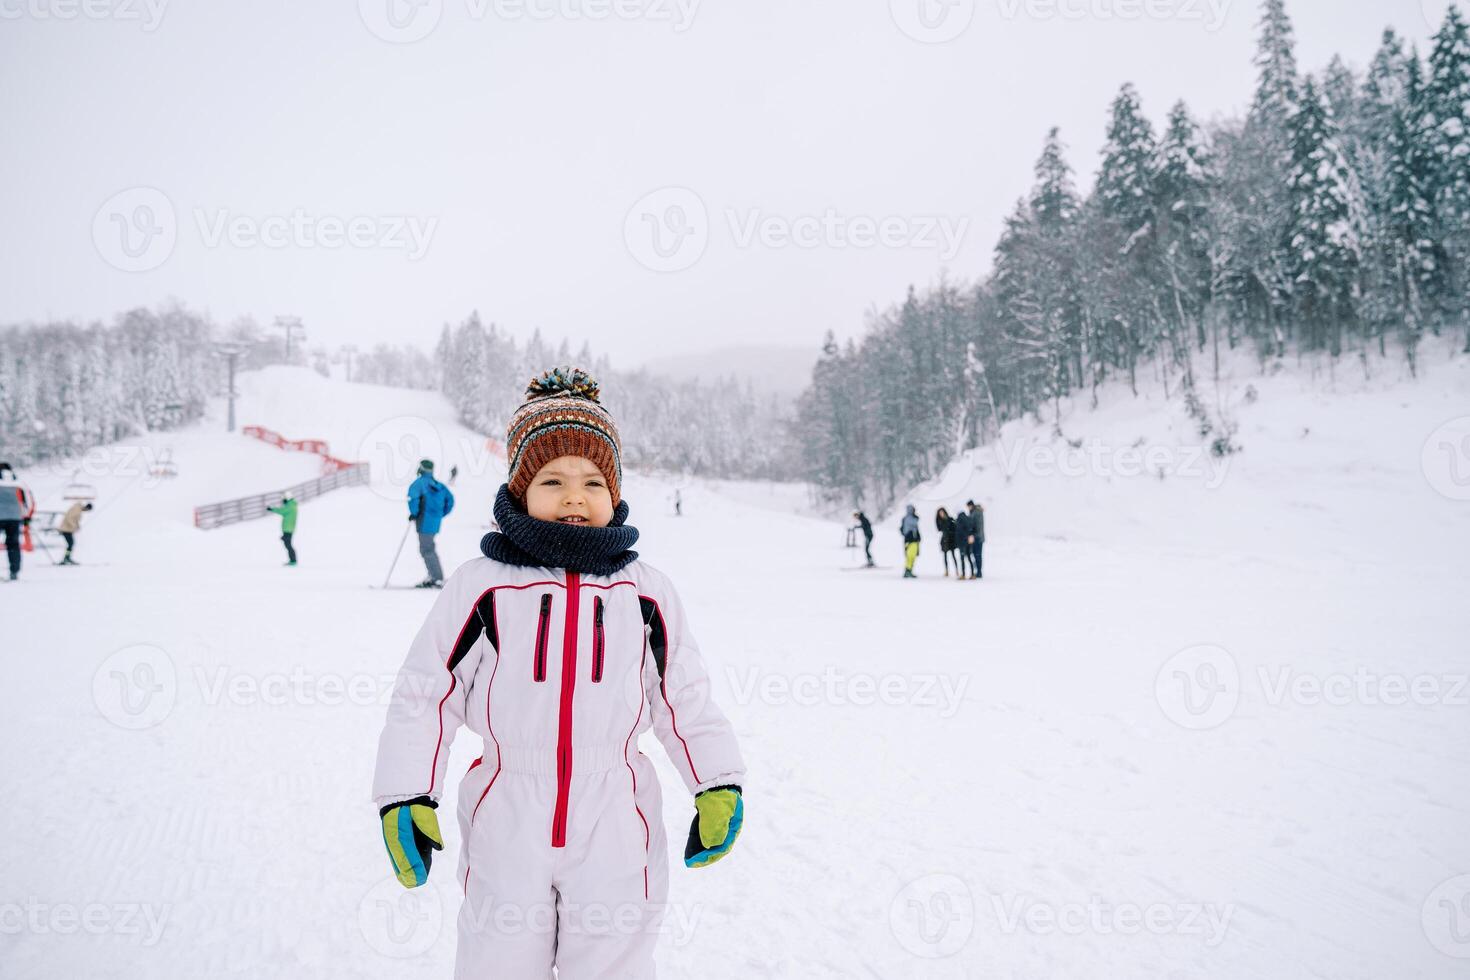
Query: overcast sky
652	175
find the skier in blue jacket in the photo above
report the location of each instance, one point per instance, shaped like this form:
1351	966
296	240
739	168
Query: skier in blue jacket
429	502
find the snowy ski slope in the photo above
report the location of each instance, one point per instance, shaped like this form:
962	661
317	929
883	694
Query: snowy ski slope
1210	725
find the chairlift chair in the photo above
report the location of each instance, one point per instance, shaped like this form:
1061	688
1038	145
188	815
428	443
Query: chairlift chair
77	490
164	465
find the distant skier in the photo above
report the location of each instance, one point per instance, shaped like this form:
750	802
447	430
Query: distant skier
429	502
947	543
909	527
16	507
71	523
287	510
977	536
964	528
678	504
867	527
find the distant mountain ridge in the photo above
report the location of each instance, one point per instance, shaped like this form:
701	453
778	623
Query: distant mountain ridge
771	369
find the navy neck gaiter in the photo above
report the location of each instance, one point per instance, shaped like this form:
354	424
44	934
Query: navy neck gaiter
524	540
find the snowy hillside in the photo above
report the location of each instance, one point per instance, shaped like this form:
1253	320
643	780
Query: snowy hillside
1332	462
1213	725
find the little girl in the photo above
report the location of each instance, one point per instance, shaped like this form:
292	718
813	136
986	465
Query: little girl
558	648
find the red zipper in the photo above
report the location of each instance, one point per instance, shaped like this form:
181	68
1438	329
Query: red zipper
597	639
564	720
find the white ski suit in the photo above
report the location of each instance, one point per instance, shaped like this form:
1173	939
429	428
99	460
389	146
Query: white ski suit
563	856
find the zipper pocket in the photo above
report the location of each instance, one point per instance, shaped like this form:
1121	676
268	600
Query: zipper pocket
597	639
543	630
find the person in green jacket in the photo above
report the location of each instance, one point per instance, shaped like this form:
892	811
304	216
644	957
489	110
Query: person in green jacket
287	510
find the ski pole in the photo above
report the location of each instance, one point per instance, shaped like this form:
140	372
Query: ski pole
397	554
40	541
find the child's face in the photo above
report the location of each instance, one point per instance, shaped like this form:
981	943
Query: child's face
570	487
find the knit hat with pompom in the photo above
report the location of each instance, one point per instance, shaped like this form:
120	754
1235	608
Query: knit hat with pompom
562	416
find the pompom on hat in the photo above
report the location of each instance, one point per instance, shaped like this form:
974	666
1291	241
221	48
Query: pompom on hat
562	416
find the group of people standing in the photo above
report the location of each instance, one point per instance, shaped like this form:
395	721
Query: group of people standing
18	506
961	538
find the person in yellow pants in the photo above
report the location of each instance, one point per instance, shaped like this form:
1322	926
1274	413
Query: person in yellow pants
910	529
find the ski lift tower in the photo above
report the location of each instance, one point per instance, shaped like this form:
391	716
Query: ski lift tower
294	329
231	353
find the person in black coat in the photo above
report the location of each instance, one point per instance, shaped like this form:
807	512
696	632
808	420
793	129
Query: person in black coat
946	526
977	536
867	527
964	529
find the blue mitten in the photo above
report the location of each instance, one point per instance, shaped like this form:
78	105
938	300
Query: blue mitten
411	833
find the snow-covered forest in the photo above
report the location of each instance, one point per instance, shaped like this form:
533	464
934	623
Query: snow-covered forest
1335	217
66	388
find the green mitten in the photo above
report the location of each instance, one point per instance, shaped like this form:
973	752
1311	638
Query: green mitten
411	833
720	812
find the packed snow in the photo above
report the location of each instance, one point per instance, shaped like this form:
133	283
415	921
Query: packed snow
1203	717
